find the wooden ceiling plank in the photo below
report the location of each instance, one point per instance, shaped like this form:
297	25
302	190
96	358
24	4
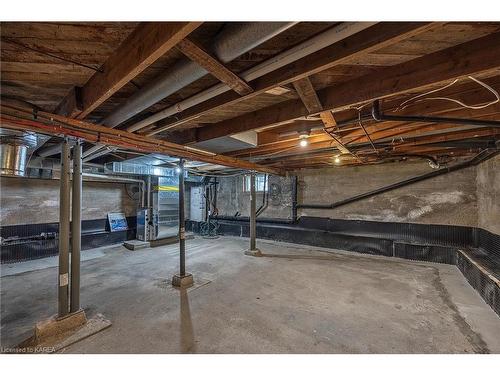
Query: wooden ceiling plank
479	56
310	99
148	42
343	52
199	55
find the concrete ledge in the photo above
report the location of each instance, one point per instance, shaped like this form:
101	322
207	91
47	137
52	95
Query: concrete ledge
136	245
185	281
55	333
254	253
170	240
55	326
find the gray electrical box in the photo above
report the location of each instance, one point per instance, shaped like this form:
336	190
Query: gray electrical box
142	224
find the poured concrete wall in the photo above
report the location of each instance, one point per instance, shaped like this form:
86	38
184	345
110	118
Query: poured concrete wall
232	199
33	201
488	195
448	199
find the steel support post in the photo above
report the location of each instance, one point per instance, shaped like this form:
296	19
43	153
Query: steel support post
253	219
76	228
182	229
64	213
182	279
252	212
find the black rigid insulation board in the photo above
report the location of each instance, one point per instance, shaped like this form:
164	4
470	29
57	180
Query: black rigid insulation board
479	280
422	242
433	243
95	233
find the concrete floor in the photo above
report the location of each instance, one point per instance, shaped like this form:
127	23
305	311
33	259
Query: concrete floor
298	300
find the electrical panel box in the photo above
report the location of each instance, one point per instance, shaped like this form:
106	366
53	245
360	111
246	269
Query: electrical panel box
142	225
197	204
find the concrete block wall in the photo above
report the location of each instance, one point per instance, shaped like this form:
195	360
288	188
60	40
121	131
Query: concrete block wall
35	201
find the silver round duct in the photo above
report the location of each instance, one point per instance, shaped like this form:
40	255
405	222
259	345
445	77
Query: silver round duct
14	151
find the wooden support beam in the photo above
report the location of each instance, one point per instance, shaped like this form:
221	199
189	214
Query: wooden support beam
343	52
307	94
148	42
208	62
328	119
310	99
71	105
353	137
477	57
49	123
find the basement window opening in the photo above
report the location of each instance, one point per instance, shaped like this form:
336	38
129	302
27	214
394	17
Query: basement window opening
260	183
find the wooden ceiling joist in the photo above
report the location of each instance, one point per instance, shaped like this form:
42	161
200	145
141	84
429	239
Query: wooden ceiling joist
476	57
307	94
52	124
371	39
211	64
310	99
148	42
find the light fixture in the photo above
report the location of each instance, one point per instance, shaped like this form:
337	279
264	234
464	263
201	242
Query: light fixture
303	142
177	170
336	159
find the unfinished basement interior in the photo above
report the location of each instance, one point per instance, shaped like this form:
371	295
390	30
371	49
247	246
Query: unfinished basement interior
250	187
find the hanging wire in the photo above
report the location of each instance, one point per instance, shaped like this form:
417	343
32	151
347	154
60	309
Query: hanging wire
338	141
413	100
364	129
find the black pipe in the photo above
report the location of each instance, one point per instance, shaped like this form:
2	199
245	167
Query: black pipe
482	156
262	220
265	197
379	116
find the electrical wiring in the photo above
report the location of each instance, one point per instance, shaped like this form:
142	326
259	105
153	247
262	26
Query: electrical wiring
413	100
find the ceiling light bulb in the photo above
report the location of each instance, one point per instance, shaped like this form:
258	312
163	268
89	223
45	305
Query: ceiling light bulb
336	160
177	170
303	142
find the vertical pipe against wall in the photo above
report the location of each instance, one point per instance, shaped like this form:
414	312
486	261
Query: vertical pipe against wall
252	212
64	212
76	227
182	235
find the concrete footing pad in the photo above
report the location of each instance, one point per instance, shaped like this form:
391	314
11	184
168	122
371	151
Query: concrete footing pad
254	253
185	281
56	333
136	245
169	240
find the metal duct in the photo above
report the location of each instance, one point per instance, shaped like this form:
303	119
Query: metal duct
14	151
301	50
312	45
234	40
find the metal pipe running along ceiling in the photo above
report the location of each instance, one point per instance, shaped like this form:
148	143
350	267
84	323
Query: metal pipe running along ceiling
234	40
303	49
